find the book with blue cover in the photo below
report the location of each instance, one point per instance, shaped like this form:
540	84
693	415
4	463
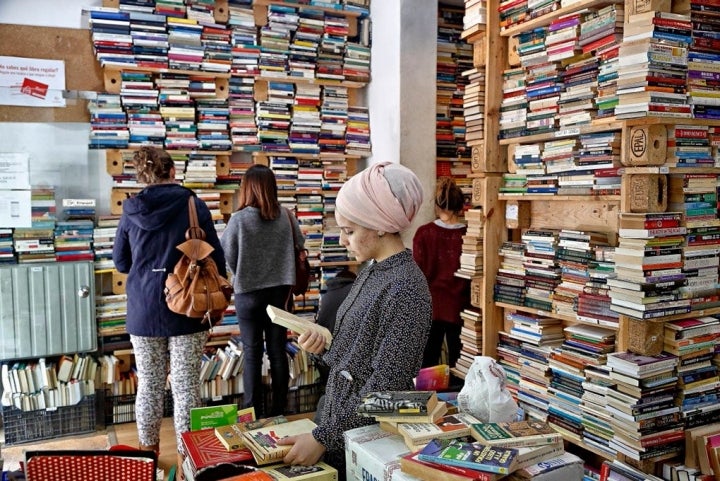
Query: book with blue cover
486	458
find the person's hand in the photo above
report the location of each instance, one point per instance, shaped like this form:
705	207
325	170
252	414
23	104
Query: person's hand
312	341
306	450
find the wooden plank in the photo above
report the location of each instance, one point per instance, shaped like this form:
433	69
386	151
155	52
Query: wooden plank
495	235
74	48
600	216
496	55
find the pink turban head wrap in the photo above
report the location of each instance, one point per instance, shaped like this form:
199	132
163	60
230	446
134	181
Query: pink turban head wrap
384	197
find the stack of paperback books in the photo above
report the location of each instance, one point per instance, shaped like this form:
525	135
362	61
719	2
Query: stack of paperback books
646	420
693	341
648	264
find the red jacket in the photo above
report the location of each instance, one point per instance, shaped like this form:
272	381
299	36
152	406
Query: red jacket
437	251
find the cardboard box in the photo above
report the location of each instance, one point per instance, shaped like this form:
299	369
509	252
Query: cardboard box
372	454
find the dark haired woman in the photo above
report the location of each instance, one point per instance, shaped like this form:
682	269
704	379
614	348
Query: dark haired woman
152	224
437	247
258	244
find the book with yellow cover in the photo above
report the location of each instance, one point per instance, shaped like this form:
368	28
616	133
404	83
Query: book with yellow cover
231	435
297	323
316	472
262	442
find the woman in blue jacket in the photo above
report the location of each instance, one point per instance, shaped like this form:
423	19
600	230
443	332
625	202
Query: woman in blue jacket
152	224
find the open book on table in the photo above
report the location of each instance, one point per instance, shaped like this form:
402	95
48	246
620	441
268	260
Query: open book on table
297	323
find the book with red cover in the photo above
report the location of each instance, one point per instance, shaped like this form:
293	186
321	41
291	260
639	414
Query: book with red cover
205	449
428	471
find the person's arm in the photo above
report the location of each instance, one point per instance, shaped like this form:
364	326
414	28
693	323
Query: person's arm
229	242
397	358
122	256
300	238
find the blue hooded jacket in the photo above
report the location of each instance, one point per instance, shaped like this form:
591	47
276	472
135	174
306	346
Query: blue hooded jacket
152	224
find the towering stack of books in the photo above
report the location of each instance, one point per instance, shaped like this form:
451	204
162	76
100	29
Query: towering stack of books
513	107
108	123
512	12
543	82
140	97
305	43
273	117
357	133
653	66
474	105
103	240
608	55
275	38
695	196
599	153
703	90
244	40
470	339
185	48
542	273
216	39
510	278
332	48
575	253
533	339
305	122
584	350
178	111
243	128
646	420
471	258
111	37
558	157
73	240
694	341
356	62
36	243
594	300
649	266
200	172
213	119
689	146
7	255
334	117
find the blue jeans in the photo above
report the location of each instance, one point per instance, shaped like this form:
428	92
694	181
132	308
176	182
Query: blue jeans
255	327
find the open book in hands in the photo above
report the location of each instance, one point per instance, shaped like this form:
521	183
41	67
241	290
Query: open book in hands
297	323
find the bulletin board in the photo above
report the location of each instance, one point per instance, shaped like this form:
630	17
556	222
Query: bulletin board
82	71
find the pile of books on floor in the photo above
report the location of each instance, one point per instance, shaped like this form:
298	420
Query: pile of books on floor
458	446
223	439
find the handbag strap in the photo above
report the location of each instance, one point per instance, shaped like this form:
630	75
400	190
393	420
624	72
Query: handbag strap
194	231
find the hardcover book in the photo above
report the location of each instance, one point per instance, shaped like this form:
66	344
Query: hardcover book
262	442
231	435
515	434
402	403
213	416
316	472
428	471
447	427
297	323
481	457
204	449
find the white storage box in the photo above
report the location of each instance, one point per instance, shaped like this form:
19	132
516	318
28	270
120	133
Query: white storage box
372	454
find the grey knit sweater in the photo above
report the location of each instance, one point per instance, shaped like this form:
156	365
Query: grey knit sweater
259	253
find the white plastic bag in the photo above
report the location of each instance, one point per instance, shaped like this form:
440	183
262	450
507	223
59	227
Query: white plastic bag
484	394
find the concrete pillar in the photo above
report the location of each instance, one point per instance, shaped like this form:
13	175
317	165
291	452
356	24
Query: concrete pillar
402	92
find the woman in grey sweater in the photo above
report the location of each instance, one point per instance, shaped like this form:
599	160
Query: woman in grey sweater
382	326
258	245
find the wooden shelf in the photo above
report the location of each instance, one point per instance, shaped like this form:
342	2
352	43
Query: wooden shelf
112	76
545	20
596	126
540	312
564	198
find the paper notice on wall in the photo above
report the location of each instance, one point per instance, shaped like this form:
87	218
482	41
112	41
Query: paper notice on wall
15	210
32	82
14	170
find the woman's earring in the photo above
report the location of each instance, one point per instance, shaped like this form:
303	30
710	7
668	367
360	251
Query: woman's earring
380	233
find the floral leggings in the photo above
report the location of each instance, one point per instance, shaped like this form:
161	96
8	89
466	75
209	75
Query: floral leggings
152	354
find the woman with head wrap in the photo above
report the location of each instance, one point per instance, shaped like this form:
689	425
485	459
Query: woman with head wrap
383	324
